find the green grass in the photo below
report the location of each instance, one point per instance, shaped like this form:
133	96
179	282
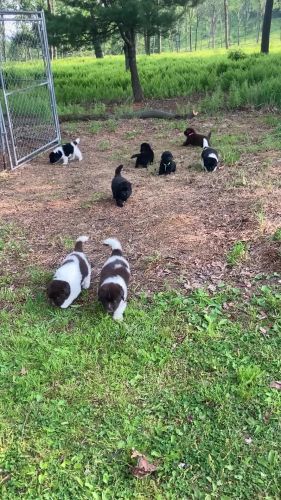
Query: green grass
237	253
277	235
95	198
185	380
180	380
84	83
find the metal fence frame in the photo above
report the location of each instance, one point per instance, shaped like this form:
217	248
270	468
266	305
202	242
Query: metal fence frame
3	141
8	141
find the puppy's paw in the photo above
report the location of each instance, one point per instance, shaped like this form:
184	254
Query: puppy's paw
118	317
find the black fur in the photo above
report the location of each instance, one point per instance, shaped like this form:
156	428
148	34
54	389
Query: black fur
58	292
145	156
194	139
68	150
54	157
167	163
210	163
121	188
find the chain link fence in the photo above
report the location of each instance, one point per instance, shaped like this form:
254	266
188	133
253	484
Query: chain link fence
30	122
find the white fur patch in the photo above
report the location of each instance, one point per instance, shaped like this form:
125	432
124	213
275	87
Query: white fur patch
118	280
118	314
113	243
83	239
212	155
205	143
113	258
71	273
76	153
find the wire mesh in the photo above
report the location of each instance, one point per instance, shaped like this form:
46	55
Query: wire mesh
27	93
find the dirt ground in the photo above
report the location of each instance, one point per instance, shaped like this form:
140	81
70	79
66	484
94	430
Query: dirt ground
175	231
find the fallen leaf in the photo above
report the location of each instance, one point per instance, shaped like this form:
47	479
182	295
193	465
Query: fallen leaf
23	371
143	467
276	384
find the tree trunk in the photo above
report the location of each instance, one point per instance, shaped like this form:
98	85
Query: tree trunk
190	38
246	19
226	24
51	9
3	37
157	43
238	28
147	44
196	31
213	27
97	48
266	26
186	30
136	85
127	66
259	18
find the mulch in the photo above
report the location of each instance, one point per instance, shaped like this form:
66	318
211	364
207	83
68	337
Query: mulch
175	231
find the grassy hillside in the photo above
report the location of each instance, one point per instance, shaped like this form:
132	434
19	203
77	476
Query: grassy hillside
210	77
219	81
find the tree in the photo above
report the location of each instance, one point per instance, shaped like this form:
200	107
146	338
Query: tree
266	26
226	24
128	18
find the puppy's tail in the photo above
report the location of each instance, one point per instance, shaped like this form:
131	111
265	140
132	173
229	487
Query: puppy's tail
209	135
118	170
115	245
76	141
79	243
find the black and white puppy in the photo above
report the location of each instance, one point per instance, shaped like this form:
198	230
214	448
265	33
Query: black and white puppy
114	280
145	156
121	188
69	279
209	157
167	163
66	152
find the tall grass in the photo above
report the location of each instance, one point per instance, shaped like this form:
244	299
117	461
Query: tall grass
215	79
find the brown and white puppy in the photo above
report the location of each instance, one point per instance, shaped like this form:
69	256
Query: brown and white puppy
114	280
69	279
194	139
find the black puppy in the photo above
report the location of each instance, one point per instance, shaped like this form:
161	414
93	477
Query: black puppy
121	188
209	157
167	163
145	156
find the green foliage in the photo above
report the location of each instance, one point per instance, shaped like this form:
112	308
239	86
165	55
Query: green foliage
84	84
181	380
237	253
96	197
277	235
235	55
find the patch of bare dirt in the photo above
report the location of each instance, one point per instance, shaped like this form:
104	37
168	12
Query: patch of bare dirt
175	230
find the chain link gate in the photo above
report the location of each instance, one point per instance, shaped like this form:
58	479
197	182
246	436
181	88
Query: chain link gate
29	114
